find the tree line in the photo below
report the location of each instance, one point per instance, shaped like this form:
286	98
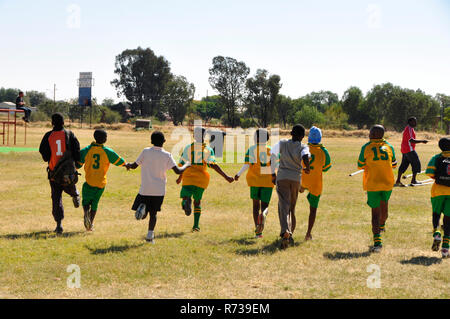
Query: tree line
146	82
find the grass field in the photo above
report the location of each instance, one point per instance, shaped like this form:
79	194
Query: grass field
223	260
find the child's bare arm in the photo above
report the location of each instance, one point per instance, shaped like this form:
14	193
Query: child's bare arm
306	162
221	172
180	170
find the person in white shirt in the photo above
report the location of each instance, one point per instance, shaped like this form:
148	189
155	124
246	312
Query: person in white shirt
154	162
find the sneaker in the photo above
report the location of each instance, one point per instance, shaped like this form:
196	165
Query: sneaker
437	242
262	220
445	253
87	218
258	236
186	205
76	201
150	240
285	241
291	241
59	230
195	229
376	249
141	212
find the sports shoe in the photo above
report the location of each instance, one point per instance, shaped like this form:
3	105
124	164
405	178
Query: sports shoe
445	253
291	241
186	205
141	212
76	201
377	249
150	240
262	220
258	236
59	230
195	229
87	218
437	242
285	241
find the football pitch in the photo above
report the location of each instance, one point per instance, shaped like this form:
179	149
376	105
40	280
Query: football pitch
224	260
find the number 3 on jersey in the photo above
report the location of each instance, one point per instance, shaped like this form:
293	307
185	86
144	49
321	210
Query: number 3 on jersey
96	161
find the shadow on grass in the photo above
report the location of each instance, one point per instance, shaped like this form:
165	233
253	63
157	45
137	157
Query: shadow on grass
170	235
422	261
41	235
348	255
245	241
112	249
271	248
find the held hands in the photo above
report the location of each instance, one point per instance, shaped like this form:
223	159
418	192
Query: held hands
229	179
274	179
306	170
179	179
236	178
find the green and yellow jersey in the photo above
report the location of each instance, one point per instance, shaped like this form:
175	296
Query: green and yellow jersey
320	162
96	159
200	156
259	173
436	189
377	158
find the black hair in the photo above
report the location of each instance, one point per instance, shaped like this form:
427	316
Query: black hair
262	134
444	144
20	92
298	130
100	136
412	118
158	138
58	120
378	128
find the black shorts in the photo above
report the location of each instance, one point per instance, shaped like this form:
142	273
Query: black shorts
413	159
152	203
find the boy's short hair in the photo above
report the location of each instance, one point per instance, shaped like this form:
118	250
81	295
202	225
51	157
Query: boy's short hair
100	136
262	135
298	130
199	132
378	128
444	144
412	118
158	138
57	120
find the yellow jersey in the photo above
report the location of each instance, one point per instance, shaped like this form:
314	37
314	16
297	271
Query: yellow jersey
259	173
320	162
96	159
200	156
436	189
377	158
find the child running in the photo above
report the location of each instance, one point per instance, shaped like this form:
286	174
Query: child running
154	162
377	158
439	169
320	162
288	180
196	177
96	159
259	178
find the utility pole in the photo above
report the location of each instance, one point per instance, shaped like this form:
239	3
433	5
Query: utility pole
54	98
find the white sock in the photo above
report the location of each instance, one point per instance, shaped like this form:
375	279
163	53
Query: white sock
150	234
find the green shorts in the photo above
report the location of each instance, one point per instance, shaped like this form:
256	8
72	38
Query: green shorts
374	198
91	196
192	191
441	204
313	200
263	194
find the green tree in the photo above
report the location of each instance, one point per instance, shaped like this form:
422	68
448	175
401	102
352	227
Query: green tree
321	100
177	98
8	95
108	102
36	97
352	104
262	96
284	108
228	77
309	116
209	108
142	78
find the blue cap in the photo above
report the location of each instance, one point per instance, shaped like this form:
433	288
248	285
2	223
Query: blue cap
315	135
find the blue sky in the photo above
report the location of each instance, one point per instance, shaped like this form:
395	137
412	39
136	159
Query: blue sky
312	45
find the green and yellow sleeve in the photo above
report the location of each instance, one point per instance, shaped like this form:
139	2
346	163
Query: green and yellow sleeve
431	167
83	154
327	165
394	159
113	157
362	158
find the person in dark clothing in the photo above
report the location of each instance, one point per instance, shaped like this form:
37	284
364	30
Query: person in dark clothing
20	105
52	149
